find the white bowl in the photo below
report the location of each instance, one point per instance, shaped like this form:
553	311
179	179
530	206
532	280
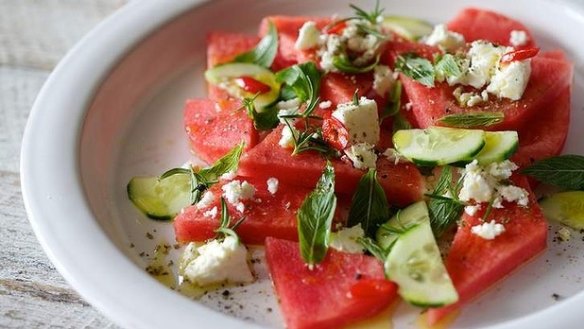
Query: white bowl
112	109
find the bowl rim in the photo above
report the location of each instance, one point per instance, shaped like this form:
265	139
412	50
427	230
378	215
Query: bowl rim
64	100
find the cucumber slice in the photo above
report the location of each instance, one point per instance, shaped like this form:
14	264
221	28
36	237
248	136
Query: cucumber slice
407	27
566	208
437	146
161	198
415	263
224	76
406	218
499	146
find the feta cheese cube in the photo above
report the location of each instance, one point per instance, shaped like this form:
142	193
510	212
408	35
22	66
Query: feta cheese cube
308	36
362	155
518	38
501	170
382	80
217	262
272	185
361	121
444	39
488	231
345	239
510	80
229	175
472	210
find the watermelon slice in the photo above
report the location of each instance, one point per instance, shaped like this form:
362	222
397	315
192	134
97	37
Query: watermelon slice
549	77
222	47
479	24
266	215
545	134
322	297
403	183
339	88
288	27
475	264
214	128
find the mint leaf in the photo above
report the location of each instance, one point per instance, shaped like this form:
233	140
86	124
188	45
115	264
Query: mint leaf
369	206
374	248
472	119
446	66
264	52
443	210
315	218
417	68
343	64
565	171
227	163
304	81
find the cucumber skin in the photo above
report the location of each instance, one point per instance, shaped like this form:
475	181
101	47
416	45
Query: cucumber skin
160	218
461	163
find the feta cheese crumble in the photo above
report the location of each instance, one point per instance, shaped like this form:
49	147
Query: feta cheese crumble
308	36
393	155
325	104
361	121
287	139
444	39
472	210
216	262
229	175
345	239
288	107
518	38
511	193
211	213
488	231
235	191
484	58
475	185
206	200
382	80
272	183
362	155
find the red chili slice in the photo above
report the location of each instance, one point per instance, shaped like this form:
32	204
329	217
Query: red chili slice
519	55
252	85
336	27
371	288
335	133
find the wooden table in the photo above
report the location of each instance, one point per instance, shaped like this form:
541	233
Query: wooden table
34	36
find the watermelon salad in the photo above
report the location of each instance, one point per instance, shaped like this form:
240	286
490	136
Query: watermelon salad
376	158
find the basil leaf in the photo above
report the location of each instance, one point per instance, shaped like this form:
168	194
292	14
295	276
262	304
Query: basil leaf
472	119
444	211
264	120
446	66
315	218
304	80
369	206
565	171
264	52
417	68
343	64
228	163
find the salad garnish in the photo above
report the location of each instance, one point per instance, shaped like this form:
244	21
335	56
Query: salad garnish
264	52
565	171
369	206
315	218
472	119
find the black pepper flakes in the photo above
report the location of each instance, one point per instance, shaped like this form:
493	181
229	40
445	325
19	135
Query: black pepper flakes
226	293
149	235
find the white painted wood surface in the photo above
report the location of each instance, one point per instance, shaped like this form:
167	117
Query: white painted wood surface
34	36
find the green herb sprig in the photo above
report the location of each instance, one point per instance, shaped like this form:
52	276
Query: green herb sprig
224	229
369	207
472	119
264	52
565	171
444	211
417	68
315	218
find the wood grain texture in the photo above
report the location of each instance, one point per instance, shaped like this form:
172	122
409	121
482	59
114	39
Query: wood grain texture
34	36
